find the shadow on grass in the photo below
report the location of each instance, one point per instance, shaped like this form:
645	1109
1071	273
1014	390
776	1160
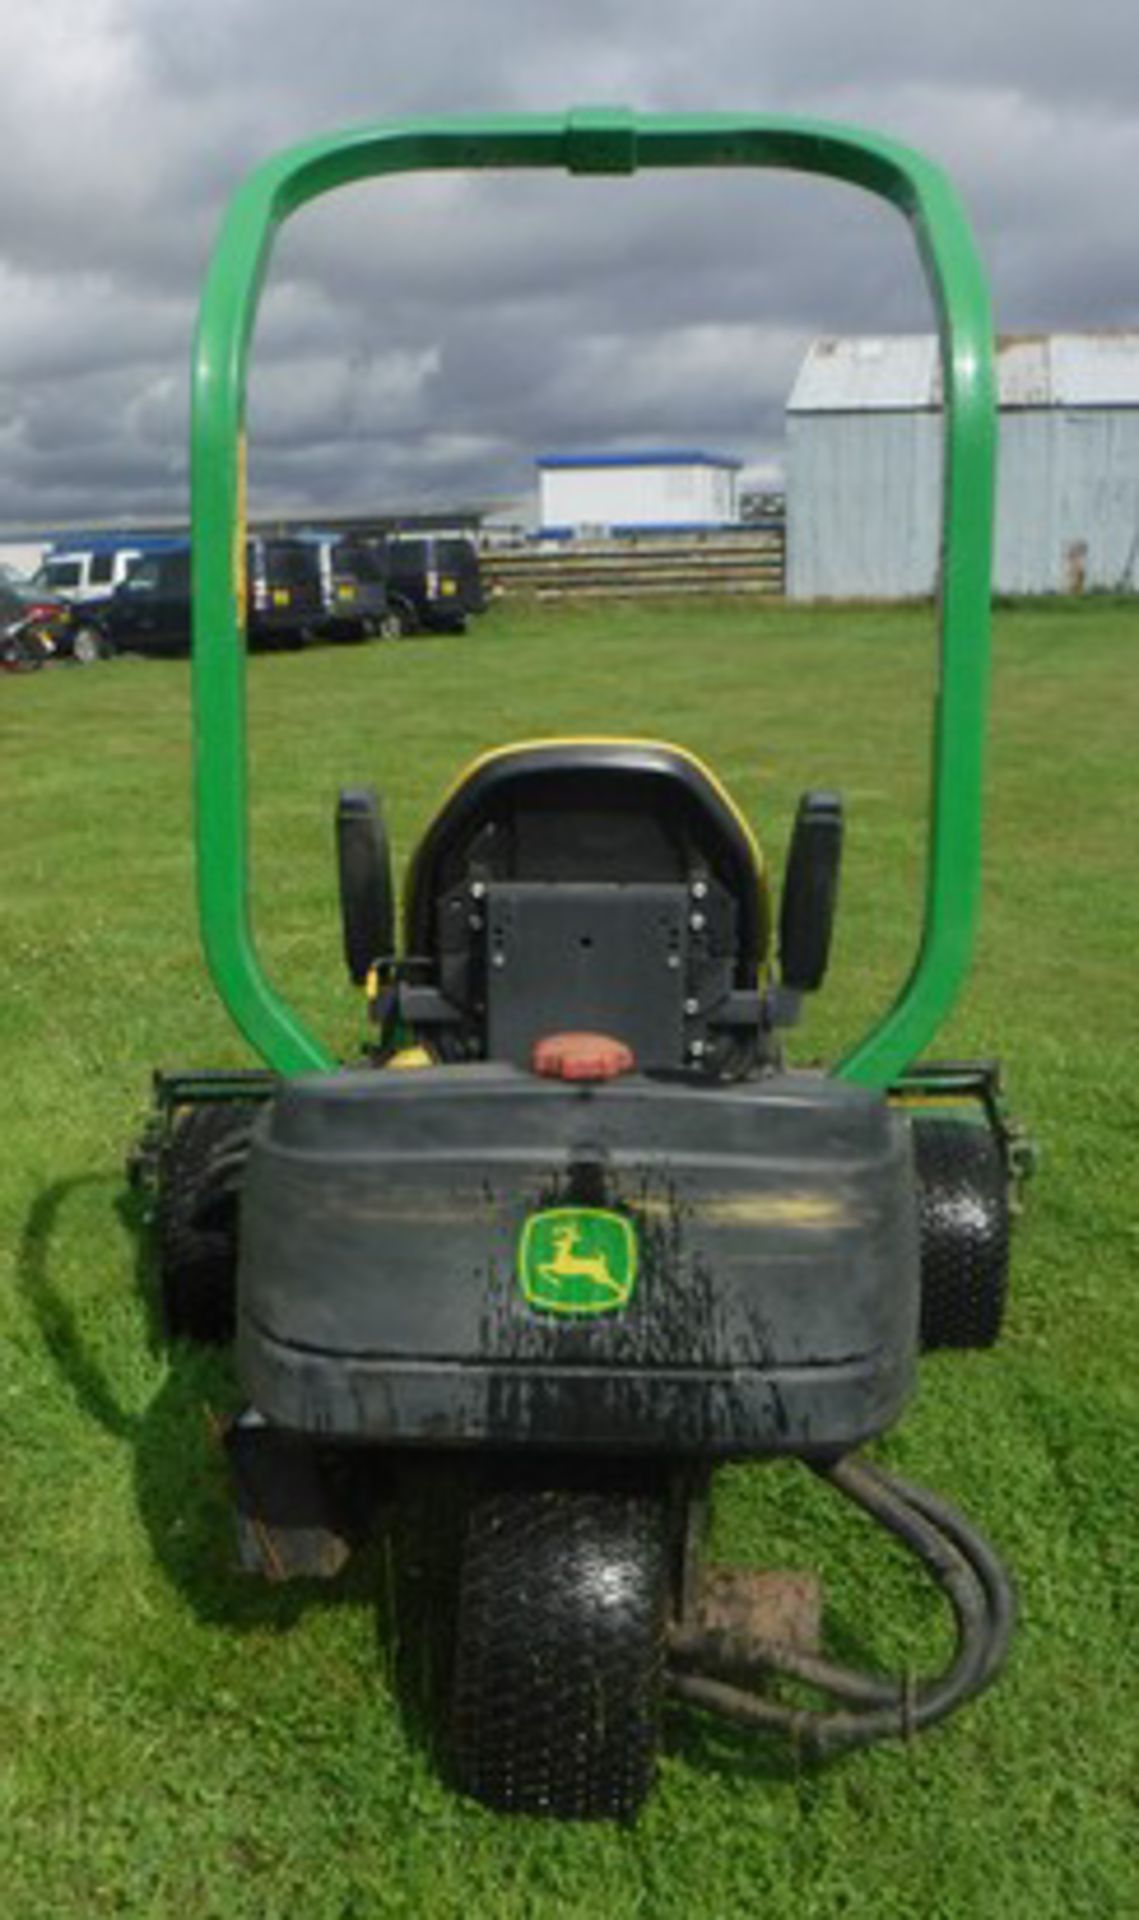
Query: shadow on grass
407	1570
180	1470
713	1746
403	1571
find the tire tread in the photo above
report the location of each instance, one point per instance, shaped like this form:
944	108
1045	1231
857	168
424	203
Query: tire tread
196	1259
963	1216
559	1652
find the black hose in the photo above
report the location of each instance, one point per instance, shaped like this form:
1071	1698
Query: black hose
994	1576
709	1667
745	1660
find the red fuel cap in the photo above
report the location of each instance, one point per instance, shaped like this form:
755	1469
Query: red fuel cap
581	1056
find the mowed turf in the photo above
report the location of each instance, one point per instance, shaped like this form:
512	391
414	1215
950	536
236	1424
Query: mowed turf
176	1741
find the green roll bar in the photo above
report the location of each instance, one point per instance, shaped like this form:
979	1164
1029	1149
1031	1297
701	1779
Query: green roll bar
592	141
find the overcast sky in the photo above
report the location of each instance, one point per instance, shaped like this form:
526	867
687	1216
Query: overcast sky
420	342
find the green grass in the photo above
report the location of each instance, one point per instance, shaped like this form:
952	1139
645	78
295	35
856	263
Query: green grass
173	1741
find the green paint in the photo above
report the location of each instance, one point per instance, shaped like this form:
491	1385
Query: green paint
592	141
577	1260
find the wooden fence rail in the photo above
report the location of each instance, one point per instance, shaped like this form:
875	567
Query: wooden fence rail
640	563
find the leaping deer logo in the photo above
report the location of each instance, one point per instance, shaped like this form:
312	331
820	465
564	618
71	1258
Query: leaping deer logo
578	1261
568	1265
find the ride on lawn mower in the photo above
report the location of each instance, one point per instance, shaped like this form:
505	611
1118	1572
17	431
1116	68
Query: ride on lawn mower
572	1234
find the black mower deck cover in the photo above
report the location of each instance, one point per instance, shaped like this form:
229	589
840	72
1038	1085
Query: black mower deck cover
477	1255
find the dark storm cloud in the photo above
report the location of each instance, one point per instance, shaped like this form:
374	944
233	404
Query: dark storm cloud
424	339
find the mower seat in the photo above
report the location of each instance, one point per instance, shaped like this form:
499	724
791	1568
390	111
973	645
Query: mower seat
608	886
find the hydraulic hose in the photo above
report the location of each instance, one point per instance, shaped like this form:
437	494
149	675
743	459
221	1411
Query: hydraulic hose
719	1671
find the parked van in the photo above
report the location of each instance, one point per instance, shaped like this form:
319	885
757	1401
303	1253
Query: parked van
434	579
285	601
353	588
150	611
89	571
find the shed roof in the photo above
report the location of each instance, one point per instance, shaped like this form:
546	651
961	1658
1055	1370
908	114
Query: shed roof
902	372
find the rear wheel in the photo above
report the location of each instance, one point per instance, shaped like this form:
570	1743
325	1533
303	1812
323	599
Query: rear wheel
24	652
195	1221
963	1213
559	1651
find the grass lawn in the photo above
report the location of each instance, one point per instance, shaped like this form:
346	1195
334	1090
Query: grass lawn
174	1741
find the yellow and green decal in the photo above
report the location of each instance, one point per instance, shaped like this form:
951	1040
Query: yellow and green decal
577	1260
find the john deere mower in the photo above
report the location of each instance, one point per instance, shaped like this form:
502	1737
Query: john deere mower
570	1233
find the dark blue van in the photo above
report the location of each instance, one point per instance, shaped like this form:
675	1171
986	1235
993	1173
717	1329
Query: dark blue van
150	611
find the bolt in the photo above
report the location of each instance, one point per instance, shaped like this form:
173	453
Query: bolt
699	889
498	958
697	922
691	1006
478	889
696	1048
474	922
673	961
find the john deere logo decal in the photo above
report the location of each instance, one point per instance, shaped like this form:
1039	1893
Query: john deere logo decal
577	1260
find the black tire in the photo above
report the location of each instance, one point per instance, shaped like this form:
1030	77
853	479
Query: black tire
963	1211
195	1221
559	1652
406	617
89	644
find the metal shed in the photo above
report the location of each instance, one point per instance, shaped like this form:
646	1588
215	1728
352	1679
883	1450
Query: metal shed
668	490
864	466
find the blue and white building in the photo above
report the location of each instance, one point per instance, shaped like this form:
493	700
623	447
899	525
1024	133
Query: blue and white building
670	490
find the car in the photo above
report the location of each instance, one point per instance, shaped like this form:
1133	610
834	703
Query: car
150	611
434	580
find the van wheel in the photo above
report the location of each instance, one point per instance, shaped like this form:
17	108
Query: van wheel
88	645
407	621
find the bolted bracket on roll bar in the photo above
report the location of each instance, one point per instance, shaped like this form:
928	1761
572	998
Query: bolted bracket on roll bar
600	140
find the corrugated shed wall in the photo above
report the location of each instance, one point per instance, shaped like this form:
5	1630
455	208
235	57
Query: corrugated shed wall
1099	495
864	503
1028	555
864	467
